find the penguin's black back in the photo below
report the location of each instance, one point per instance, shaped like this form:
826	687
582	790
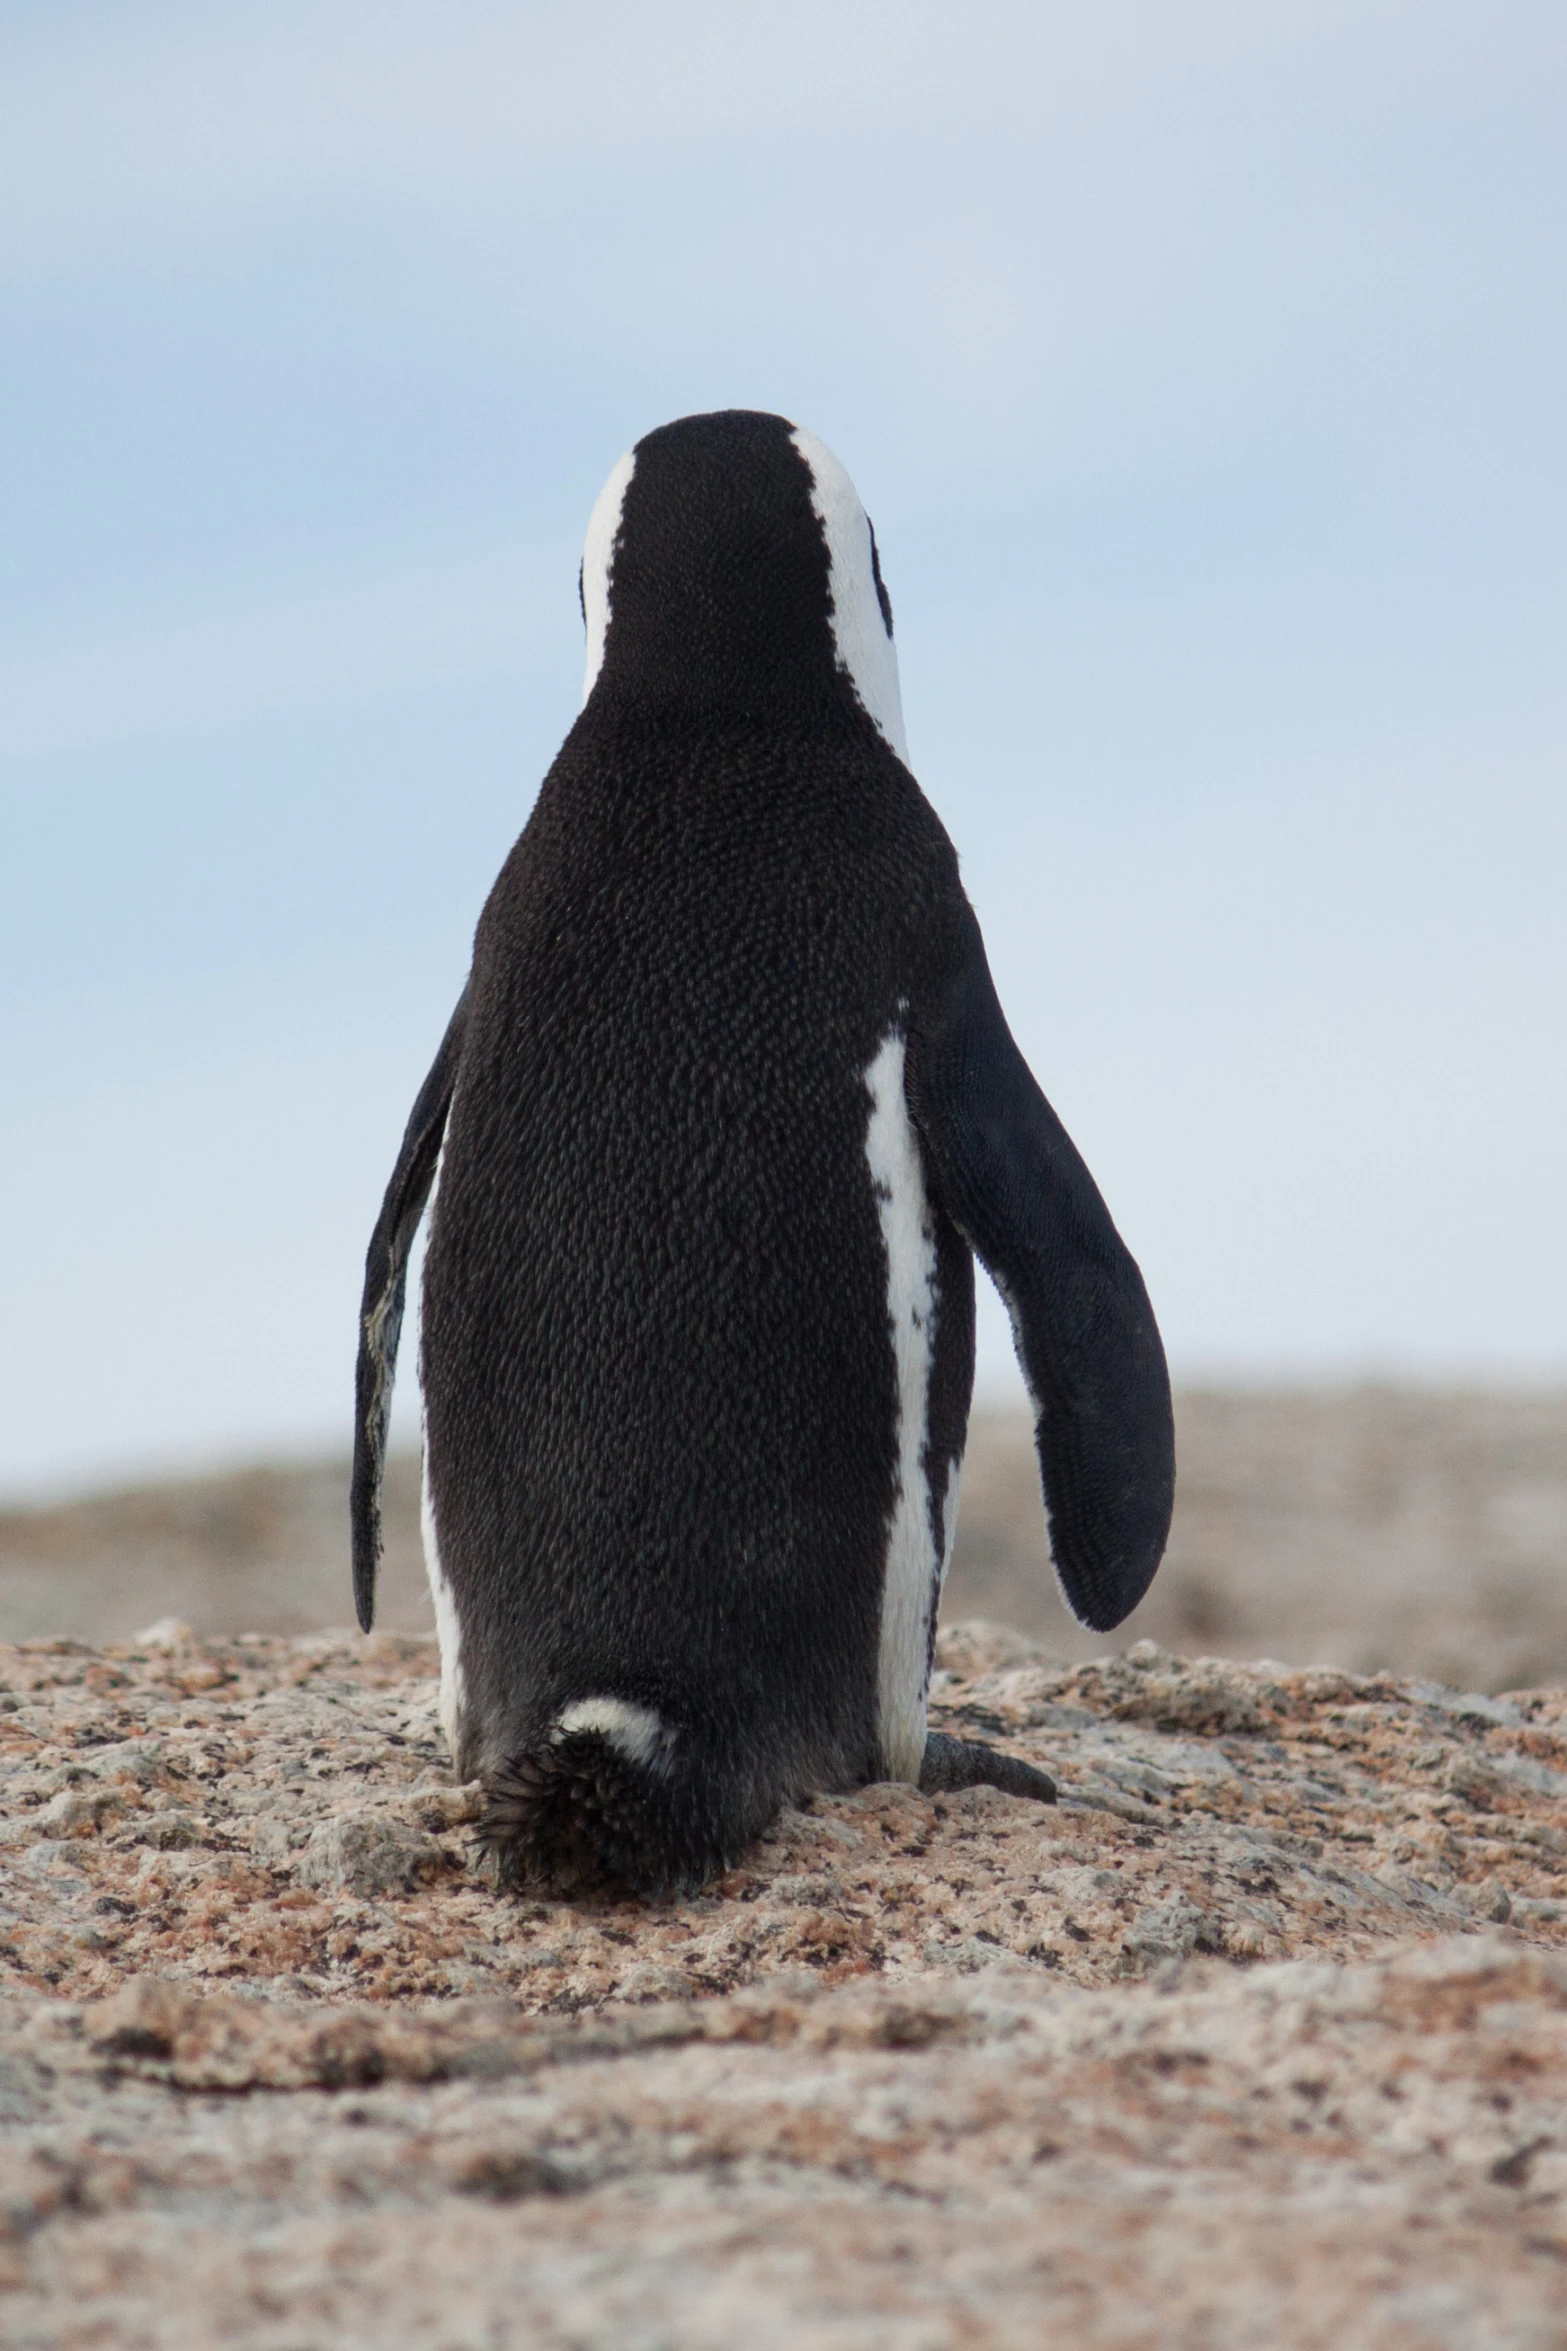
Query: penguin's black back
659	1377
727	1101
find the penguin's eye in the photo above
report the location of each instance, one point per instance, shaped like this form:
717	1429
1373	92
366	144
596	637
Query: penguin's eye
882	597
581	597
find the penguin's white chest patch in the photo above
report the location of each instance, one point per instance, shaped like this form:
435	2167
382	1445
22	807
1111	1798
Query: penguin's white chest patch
911	1580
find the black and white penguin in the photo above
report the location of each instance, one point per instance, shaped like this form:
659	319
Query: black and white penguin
726	1105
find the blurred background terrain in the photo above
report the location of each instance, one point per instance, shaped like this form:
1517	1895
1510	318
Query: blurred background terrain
1371	1527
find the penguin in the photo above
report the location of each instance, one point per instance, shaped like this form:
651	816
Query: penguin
726	1111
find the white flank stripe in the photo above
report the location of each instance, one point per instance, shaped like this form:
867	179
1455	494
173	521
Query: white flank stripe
865	647
598	553
909	1585
447	1631
446	1627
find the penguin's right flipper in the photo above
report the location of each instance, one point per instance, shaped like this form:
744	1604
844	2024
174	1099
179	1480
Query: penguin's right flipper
969	1763
381	1310
1007	1173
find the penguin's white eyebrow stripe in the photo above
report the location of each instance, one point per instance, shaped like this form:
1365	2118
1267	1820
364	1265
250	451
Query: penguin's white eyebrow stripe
861	636
598	557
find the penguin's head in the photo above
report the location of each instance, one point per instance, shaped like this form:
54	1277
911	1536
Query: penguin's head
730	568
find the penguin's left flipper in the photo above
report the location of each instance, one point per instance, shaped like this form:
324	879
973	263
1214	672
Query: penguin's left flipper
968	1763
1007	1173
381	1310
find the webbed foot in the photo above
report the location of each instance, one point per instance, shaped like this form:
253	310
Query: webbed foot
968	1763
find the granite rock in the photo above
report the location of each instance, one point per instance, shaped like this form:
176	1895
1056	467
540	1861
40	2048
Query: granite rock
1258	2036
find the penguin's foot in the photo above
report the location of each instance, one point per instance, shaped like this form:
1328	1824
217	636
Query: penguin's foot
967	1763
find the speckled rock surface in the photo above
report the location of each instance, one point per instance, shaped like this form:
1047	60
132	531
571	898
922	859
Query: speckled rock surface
1259	2036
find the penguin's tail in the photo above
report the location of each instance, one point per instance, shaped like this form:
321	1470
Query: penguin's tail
609	1800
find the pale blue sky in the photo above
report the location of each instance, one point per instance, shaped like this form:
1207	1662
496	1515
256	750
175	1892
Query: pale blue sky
1204	370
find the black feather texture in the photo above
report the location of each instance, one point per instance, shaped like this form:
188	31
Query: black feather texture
661	1375
573	1815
